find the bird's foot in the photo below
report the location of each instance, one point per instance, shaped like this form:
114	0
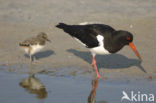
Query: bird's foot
101	77
36	62
98	76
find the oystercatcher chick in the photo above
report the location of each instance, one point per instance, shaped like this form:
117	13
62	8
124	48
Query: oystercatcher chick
100	39
34	44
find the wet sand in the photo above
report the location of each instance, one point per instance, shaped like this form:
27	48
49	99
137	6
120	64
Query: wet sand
20	20
64	57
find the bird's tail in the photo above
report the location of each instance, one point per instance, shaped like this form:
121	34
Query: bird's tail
22	44
67	28
62	25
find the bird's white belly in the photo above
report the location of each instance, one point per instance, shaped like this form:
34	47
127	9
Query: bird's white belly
99	50
36	48
26	49
33	49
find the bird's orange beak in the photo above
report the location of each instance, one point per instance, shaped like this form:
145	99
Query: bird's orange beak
135	51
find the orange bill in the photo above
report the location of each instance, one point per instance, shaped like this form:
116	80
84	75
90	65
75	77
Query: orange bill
135	51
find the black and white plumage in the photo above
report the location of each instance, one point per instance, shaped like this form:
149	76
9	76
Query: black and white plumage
34	44
99	38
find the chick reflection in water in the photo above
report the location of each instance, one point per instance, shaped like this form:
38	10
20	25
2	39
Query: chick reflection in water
91	97
34	86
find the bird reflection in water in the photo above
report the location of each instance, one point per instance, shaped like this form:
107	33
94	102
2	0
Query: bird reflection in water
34	86
91	97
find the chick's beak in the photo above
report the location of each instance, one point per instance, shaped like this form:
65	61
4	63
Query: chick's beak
48	40
135	51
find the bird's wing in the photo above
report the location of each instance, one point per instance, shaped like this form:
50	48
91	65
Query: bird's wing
30	41
83	33
87	34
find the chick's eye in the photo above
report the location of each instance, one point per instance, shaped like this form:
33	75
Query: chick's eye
128	38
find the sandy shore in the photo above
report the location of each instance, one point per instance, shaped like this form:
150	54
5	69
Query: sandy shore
20	19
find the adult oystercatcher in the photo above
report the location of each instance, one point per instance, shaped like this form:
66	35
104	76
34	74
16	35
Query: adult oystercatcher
34	44
100	39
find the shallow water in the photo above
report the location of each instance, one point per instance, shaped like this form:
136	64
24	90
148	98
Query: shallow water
41	88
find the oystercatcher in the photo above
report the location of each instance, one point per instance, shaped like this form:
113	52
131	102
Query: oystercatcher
34	44
100	39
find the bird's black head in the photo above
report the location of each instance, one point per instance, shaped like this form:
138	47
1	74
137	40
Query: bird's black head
43	35
123	37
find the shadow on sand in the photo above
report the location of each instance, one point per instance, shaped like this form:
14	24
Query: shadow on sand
42	54
113	61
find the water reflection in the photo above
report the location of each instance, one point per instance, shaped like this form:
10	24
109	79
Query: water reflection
91	97
34	86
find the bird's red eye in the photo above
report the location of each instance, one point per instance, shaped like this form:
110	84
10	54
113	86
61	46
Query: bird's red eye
128	38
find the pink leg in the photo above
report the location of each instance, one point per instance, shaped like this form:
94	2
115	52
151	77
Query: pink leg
92	63
95	67
92	60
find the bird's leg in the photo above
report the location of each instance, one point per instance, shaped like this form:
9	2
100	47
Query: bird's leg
92	60
35	61
34	58
95	67
92	64
31	58
29	52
